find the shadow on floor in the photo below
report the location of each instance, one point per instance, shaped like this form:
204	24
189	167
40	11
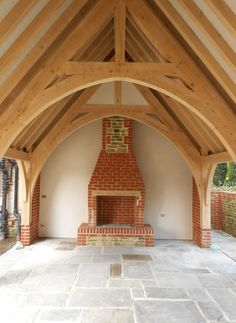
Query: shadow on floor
6	244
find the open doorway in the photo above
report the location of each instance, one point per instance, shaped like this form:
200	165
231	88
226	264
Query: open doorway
9	215
223	198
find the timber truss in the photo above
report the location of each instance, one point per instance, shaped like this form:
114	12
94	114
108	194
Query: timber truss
44	95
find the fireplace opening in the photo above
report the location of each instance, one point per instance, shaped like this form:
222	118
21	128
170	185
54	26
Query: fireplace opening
116	210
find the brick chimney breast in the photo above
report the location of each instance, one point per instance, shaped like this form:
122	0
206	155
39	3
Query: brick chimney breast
116	193
116	188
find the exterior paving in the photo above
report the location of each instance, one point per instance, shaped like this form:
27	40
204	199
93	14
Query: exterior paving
175	282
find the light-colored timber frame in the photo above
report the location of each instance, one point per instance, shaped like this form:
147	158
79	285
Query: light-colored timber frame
160	64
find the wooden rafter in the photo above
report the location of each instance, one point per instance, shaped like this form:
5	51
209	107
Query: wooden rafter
77	39
17	154
142	42
195	43
40	53
120	23
214	37
226	16
221	157
13	18
105	38
167	119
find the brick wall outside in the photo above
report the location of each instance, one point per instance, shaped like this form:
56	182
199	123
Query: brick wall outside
29	233
217	211
223	211
201	236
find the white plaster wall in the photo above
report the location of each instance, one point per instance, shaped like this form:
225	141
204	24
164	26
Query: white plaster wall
65	178
168	184
64	181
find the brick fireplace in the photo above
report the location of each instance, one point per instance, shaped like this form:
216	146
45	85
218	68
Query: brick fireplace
116	193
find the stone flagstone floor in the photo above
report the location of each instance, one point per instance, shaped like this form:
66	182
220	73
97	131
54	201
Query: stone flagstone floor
56	281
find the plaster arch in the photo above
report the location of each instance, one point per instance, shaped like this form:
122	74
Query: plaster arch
41	154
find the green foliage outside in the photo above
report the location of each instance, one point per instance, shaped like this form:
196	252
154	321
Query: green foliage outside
225	177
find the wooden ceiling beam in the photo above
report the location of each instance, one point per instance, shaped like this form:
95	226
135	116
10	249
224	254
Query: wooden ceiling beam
67	118
217	111
14	17
114	108
161	69
11	118
131	48
213	36
140	40
197	46
135	45
43	47
191	125
224	13
120	24
171	51
164	115
24	40
90	52
38	130
17	154
98	71
218	158
161	113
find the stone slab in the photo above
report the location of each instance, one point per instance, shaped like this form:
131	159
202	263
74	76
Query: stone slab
14	276
177	280
137	293
130	283
211	311
214	281
166	312
198	294
80	259
61	269
165	293
135	257
93	275
43	300
56	283
137	270
106	258
149	283
226	300
58	315
100	297
66	246
115	270
107	316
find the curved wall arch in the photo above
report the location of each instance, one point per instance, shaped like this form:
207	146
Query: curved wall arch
40	156
65	176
